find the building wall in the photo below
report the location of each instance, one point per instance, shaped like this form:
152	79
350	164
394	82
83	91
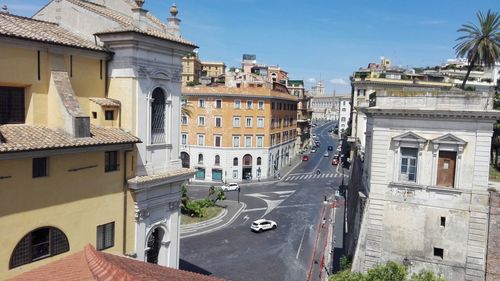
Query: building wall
16	59
404	220
76	202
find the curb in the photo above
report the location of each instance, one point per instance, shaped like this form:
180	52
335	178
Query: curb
242	207
209	222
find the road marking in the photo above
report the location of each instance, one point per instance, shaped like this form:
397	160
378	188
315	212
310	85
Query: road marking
300	245
254	209
245	218
272	204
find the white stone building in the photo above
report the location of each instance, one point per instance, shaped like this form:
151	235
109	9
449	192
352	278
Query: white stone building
421	198
344	112
325	108
145	77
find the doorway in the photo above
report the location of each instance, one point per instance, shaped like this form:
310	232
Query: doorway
154	245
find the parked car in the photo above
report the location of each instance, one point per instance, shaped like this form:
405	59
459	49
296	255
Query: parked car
330	148
335	161
313	149
326	154
231	187
262	225
314	136
330	130
305	158
318	143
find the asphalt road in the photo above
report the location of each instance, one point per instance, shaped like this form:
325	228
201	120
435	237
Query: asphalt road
293	250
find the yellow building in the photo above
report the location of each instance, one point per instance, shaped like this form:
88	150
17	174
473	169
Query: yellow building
64	161
191	69
238	133
213	69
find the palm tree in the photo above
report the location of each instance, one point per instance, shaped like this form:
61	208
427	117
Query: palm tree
481	44
186	107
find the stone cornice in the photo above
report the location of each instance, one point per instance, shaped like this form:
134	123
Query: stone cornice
241	96
430	113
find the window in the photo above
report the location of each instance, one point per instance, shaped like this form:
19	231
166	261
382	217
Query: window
200	158
248	122
11	105
446	168
273	105
217	160
184	138
158	116
443	221
343	109
41	243
110	161
201	120
236	141
249	104
408	171
217	141
94	114
39	167
201	140
201	103
260	122
342	119
218	103
261	104
235	174
235	161
248	141
184	120
218	122
438	252
236	122
260	141
105	236
108	115
237	104
259	161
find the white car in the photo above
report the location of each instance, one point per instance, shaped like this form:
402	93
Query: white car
313	150
230	187
262	225
326	154
314	136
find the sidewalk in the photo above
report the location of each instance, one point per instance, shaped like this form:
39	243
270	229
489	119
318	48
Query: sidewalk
284	171
231	211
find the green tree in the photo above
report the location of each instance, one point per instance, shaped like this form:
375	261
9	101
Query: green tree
426	276
388	272
480	44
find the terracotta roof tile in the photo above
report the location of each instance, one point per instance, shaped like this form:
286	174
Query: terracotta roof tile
90	264
26	137
106	102
26	28
127	23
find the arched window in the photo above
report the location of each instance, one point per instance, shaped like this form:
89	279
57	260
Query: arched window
200	158
158	116
247	160
235	161
39	244
342	119
217	160
259	161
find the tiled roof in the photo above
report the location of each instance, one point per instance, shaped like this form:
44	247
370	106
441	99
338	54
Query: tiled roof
127	22
106	102
15	138
26	28
151	32
90	264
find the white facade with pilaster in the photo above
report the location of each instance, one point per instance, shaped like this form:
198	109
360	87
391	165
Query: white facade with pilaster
426	208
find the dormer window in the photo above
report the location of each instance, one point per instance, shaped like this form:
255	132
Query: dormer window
11	105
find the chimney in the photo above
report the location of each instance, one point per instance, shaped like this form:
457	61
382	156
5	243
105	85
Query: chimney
5	10
173	22
139	15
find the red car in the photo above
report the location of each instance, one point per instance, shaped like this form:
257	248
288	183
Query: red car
305	158
335	161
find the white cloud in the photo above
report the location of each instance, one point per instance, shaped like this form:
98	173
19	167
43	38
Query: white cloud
311	80
338	81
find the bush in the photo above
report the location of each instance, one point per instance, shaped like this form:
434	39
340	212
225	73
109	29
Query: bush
387	272
345	263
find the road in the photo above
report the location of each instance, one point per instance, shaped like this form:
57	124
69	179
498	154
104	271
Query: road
291	252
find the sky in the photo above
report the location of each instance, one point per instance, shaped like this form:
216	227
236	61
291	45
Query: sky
316	39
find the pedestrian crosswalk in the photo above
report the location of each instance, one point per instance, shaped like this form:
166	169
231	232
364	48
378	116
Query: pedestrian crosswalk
312	176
